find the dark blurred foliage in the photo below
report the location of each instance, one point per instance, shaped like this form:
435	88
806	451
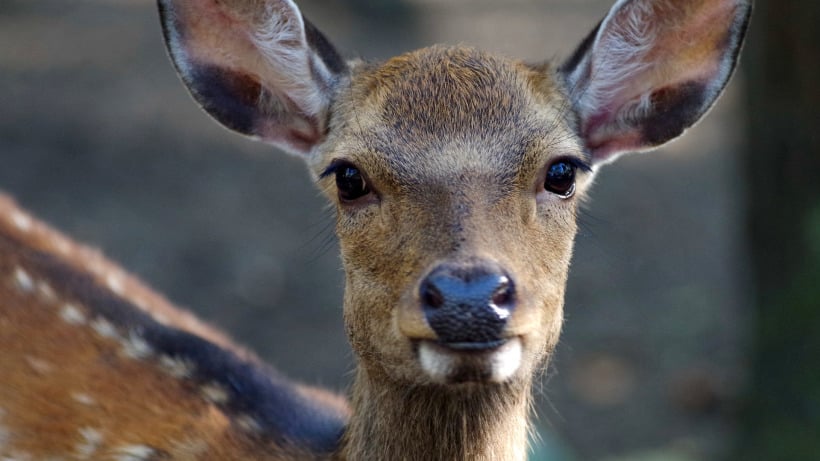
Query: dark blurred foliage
781	419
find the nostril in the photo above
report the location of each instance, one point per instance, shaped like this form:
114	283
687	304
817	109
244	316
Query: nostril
504	295
431	296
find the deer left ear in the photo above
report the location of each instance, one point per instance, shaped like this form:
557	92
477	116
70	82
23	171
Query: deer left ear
651	69
258	67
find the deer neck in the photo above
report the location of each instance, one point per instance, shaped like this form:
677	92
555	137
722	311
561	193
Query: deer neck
393	421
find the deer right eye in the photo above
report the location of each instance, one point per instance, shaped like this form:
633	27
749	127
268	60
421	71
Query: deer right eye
350	183
560	178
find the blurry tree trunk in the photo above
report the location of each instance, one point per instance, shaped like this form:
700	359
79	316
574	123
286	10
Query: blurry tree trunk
781	415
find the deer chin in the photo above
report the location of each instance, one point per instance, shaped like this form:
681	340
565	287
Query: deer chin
494	363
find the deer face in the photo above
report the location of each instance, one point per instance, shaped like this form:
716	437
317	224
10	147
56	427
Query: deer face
456	178
456	174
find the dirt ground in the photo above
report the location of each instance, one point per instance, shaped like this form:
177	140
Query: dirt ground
99	138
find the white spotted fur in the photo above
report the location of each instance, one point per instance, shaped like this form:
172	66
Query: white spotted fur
135	346
214	393
23	280
133	453
21	221
71	314
83	398
104	328
247	423
176	366
39	365
114	283
90	441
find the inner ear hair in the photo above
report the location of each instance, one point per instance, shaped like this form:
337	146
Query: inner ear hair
651	69
259	68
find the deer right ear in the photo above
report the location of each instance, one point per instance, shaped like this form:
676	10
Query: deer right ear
651	69
259	68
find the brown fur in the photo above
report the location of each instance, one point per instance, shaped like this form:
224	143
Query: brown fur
63	378
472	422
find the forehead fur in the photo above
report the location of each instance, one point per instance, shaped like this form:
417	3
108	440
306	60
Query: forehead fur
456	89
456	104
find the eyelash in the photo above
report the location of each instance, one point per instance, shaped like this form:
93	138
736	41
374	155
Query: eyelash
576	162
332	168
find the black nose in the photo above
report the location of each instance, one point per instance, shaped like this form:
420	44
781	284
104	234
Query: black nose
467	305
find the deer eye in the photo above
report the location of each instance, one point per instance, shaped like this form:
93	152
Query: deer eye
350	183
560	178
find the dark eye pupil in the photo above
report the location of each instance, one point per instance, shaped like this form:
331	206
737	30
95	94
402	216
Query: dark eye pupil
560	178
350	183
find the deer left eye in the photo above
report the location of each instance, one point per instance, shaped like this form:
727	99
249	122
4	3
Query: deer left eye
560	178
351	183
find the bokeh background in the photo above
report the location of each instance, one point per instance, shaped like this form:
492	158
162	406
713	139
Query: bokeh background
693	312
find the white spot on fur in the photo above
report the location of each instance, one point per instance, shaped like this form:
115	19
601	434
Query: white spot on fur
40	366
21	221
114	283
72	314
133	453
135	346
176	366
91	439
190	448
23	280
45	291
83	398
214	393
104	328
248	423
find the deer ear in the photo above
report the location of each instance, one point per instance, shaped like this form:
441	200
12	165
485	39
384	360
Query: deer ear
259	68
651	69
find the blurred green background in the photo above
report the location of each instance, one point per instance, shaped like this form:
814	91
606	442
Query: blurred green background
692	326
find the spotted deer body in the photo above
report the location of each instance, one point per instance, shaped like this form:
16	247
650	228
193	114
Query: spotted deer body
96	366
456	176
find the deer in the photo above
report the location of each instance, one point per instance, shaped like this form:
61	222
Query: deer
456	176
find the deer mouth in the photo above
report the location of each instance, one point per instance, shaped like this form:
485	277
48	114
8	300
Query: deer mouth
488	362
